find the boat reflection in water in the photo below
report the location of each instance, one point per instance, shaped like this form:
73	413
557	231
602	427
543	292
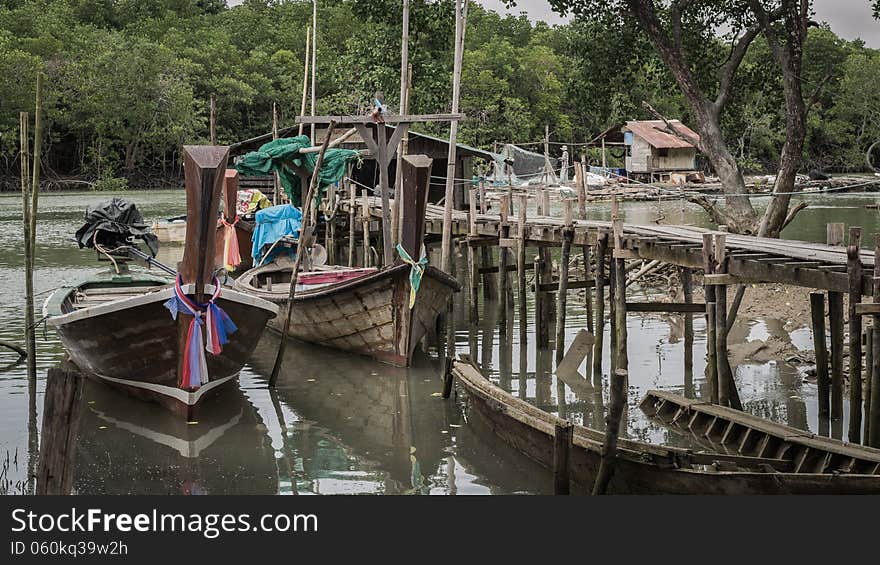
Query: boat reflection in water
130	447
364	426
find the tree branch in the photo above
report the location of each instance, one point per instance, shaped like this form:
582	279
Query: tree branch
818	90
737	54
671	126
792	213
716	215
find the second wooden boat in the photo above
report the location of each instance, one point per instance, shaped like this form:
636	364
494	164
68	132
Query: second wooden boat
642	468
380	313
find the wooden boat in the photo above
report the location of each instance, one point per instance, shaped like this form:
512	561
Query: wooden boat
367	310
118	328
726	430
645	468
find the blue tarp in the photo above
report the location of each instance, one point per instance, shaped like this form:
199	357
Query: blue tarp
272	224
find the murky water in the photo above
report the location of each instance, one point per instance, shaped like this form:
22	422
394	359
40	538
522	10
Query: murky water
344	424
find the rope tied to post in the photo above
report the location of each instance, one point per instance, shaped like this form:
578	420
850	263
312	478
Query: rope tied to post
417	269
231	253
219	326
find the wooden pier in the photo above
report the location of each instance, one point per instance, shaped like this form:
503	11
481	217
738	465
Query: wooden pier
724	259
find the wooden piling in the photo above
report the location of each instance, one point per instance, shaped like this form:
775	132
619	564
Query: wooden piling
588	292
473	276
817	315
61	413
612	430
854	268
504	259
873	414
599	333
711	325
351	190
687	286
835	316
541	330
29	329
620	353
482	189
490	286
522	214
562	292
562	444
869	365
365	227
727	392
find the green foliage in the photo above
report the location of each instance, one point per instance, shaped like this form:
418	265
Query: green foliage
129	81
108	183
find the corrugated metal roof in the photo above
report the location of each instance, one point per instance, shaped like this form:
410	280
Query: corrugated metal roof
654	132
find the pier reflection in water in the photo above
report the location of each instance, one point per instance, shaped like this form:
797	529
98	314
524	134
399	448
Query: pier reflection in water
344	424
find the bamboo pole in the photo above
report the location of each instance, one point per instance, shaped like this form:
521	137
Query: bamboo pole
29	329
404	110
873	416
854	268
365	227
305	239
687	285
35	176
314	57
473	280
521	213
461	8
305	89
711	325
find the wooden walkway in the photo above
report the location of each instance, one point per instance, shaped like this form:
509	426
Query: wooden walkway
750	259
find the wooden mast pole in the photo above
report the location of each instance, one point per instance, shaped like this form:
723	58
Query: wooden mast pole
461	8
305	91
305	237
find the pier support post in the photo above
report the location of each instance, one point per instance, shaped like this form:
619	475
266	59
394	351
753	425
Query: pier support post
562	291
490	286
351	190
817	315
542	331
365	227
620	338
869	364
503	259
562	443
521	213
473	275
709	291
612	430
873	413
687	286
727	393
599	333
854	268
835	316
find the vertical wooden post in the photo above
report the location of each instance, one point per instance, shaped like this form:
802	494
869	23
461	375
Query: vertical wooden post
521	212
490	287
873	415
365	226
601	250
460	27
562	292
482	188
612	430
61	412
727	393
581	171
709	291
351	190
314	61
473	275
305	89
687	285
276	178
541	329
854	267
330	232
383	160
621	354
562	444
403	103
503	259
817	316
545	202
835	316
834	236
869	364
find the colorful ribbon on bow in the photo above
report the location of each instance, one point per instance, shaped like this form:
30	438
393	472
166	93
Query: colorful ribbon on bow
415	274
219	327
231	254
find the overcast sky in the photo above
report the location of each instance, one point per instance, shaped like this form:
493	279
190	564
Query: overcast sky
848	18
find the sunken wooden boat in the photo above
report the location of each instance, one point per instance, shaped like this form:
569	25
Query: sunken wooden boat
726	430
642	468
364	311
138	331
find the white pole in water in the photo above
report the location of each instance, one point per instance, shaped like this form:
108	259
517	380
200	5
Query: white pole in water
314	54
460	23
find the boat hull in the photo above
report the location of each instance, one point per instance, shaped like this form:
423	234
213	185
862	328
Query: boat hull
133	344
369	315
639	468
